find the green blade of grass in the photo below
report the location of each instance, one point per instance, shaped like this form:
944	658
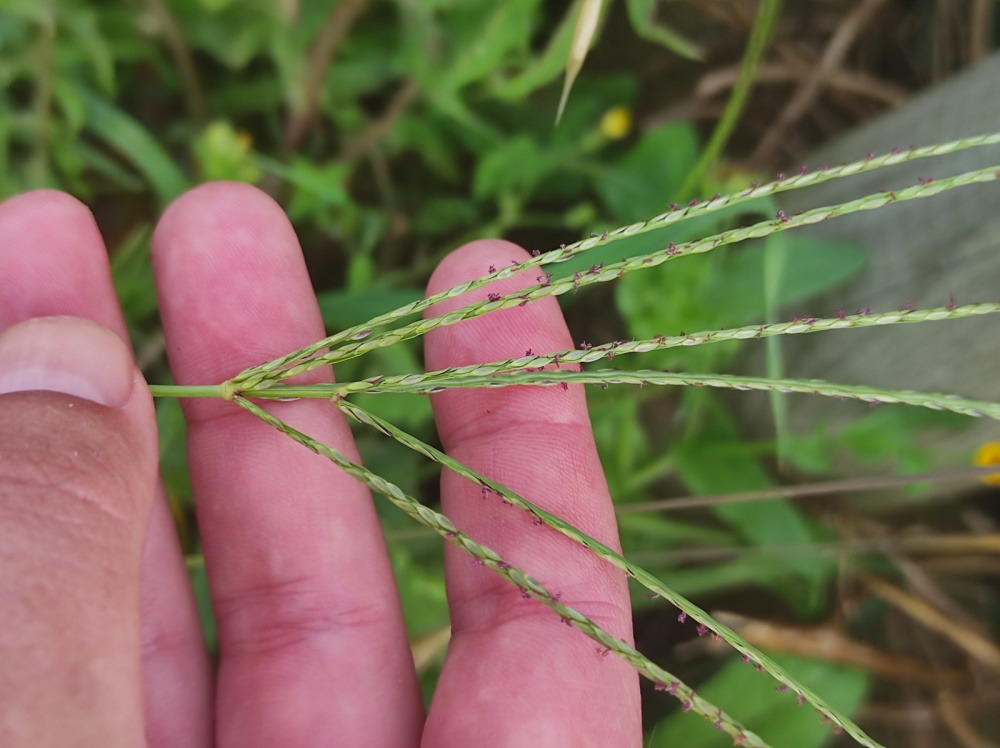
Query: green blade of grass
135	144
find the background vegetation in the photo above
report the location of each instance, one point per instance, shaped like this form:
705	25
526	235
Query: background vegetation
394	130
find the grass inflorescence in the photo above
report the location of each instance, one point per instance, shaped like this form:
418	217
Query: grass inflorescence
363	340
266	381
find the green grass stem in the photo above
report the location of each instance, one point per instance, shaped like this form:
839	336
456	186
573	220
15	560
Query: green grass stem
602	274
760	35
180	390
605	377
529	587
259	373
797	326
645	578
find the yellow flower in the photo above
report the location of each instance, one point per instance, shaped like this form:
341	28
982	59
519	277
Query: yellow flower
616	122
989	454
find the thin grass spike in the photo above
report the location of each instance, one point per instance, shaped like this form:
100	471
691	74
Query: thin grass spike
588	353
604	377
265	380
256	374
613	271
528	586
643	577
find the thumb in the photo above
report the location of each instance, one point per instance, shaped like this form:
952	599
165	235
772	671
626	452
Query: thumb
77	472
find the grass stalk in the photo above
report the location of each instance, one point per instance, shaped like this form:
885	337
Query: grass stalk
180	390
256	374
529	587
760	35
797	326
750	653
643	377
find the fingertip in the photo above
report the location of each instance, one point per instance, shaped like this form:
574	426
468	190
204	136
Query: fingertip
108	417
538	442
77	478
473	260
537	325
53	261
233	285
51	205
214	205
69	355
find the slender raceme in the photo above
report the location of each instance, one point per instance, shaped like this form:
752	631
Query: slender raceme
588	354
254	378
750	653
676	214
529	587
559	369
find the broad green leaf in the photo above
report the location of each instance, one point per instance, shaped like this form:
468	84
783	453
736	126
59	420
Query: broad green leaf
235	32
515	165
811	266
474	129
66	95
317	187
643	182
725	288
428	138
714	461
711	466
887	435
20	10
440	215
89	42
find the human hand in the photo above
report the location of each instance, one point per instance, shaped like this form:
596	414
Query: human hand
100	642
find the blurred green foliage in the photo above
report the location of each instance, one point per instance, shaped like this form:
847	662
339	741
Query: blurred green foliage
424	125
764	710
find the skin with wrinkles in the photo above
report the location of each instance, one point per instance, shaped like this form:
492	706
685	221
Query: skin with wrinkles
313	650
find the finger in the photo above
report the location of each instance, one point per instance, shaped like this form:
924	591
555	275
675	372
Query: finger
313	648
77	473
515	675
53	262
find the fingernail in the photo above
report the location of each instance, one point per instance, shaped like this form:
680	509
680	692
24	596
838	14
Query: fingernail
68	355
